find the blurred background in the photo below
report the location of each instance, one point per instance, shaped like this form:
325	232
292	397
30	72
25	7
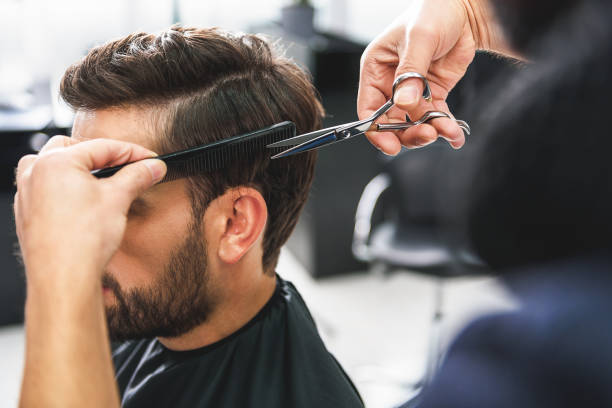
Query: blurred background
385	286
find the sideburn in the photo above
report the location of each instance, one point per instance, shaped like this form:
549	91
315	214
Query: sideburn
177	302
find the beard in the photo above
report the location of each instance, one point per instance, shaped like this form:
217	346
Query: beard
174	304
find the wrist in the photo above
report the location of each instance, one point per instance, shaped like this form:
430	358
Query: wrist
49	307
486	28
49	265
54	285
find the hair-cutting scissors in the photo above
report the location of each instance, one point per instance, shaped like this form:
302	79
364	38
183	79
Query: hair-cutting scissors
334	134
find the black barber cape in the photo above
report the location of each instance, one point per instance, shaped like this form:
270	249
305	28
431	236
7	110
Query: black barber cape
276	360
554	351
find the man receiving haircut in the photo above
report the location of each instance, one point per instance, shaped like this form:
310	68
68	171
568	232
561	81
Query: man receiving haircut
191	294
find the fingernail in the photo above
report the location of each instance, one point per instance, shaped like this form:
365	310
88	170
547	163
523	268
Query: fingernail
157	169
378	146
407	95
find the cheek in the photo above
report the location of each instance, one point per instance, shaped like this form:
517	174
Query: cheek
146	248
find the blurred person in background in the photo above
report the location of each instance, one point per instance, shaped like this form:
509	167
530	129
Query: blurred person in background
533	190
182	274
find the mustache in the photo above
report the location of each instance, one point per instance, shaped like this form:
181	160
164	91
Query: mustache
108	281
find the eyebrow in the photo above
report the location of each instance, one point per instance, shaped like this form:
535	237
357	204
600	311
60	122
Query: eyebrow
139	202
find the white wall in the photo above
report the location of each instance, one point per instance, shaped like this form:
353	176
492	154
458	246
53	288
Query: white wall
44	30
40	38
361	20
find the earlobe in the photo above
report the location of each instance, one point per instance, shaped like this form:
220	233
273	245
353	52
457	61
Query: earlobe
246	215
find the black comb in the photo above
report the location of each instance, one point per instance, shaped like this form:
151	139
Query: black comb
217	155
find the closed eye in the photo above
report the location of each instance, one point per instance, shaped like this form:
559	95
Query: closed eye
138	207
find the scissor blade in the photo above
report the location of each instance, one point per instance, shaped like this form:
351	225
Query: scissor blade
324	139
296	140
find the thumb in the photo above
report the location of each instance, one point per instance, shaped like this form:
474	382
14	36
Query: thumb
133	179
415	57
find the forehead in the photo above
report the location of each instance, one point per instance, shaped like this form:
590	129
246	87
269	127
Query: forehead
130	124
134	125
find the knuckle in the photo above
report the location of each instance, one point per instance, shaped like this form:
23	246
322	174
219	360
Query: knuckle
366	57
18	177
23	167
25	160
36	168
445	126
57	140
424	32
141	178
135	178
426	138
47	162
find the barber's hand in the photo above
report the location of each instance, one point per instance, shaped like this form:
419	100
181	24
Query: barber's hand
70	223
436	38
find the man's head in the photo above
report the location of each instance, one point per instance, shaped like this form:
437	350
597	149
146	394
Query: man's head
525	20
535	185
185	239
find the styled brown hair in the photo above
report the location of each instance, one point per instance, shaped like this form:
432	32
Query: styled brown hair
205	85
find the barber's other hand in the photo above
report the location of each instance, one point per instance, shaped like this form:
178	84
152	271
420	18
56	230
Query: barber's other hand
70	223
436	38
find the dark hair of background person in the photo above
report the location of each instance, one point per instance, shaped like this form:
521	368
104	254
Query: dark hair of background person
526	20
535	181
205	85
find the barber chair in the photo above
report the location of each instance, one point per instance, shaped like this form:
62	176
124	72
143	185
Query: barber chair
398	225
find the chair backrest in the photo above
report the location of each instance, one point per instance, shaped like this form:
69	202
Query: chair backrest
413	190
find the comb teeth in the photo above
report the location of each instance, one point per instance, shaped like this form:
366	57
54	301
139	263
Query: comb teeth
218	155
221	154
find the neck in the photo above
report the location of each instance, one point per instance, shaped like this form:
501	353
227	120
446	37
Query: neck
240	300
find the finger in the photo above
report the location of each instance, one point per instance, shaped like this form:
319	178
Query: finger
391	142
386	142
134	179
447	128
23	166
16	214
416	56
99	153
375	83
424	134
16	205
418	136
57	142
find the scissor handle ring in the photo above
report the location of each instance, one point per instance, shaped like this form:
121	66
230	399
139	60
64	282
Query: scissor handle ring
406	75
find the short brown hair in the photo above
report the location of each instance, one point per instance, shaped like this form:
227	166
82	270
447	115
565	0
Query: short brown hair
208	85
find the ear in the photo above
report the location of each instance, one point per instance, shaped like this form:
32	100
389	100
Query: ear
245	213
